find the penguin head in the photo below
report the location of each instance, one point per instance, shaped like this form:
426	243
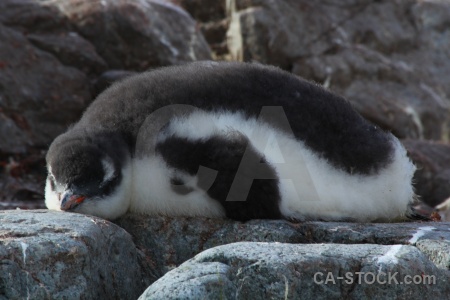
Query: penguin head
86	179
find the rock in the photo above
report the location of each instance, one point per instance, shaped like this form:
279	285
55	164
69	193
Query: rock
51	51
137	35
41	249
404	109
390	59
71	49
167	242
194	281
264	30
432	178
431	19
37	93
51	255
313	271
203	10
14	140
22	181
213	22
40	96
20	193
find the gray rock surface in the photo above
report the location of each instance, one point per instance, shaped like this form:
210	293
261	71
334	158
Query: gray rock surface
313	271
60	255
51	255
167	242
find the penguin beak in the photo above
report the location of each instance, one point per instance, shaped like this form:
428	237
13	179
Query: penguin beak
71	201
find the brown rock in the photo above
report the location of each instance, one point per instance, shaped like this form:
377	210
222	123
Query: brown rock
71	49
39	94
51	52
203	10
432	178
389	58
213	22
14	140
137	35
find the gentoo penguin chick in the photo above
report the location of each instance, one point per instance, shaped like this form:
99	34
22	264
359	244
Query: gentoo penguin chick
227	139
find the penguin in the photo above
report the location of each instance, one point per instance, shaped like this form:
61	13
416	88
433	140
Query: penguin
228	140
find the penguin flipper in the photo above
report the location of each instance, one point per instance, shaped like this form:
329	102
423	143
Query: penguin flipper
235	187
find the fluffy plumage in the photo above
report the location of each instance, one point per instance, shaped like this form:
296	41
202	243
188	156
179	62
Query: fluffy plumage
209	139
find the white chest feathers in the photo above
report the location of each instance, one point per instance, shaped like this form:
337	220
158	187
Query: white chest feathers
309	186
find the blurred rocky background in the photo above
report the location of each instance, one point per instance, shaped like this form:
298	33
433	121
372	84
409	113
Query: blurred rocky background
390	58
